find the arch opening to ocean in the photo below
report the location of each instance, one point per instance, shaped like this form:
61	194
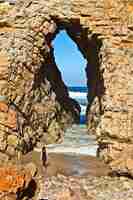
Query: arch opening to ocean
72	64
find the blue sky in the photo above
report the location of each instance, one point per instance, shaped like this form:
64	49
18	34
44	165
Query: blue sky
69	60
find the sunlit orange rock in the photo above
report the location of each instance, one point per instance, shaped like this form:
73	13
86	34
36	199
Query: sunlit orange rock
3	107
13	179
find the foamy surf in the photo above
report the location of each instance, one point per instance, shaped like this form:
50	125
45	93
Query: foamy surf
76	141
82	150
78	95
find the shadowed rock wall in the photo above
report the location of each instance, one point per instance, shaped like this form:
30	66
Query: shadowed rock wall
104	34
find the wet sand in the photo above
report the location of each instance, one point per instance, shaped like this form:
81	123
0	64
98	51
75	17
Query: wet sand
68	165
75	165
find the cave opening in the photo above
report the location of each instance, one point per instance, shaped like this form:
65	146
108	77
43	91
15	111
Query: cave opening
77	138
71	64
90	46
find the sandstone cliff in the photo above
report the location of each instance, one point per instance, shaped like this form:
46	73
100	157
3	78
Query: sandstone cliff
30	82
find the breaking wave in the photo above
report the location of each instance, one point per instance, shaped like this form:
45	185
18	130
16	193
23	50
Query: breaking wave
80	95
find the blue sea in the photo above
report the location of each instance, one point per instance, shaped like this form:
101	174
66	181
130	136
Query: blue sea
80	95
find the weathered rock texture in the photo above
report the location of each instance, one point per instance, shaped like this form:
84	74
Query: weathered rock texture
15	182
31	81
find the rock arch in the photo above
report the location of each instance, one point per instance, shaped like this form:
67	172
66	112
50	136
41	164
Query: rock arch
101	29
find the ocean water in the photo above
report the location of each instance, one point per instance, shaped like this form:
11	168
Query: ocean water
80	95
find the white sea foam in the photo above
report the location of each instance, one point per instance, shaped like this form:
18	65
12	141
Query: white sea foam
81	150
81	98
78	95
83	109
76	141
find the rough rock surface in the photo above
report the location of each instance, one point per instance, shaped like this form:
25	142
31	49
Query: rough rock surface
32	85
88	188
14	181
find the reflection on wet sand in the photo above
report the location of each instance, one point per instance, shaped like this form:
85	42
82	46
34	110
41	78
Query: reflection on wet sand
71	165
